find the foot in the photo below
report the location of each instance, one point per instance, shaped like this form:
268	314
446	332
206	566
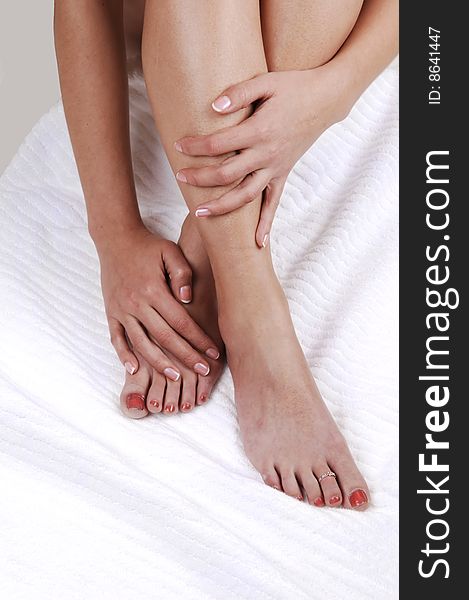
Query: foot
288	433
147	391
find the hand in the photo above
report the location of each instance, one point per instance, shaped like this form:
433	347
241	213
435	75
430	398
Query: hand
293	108
140	306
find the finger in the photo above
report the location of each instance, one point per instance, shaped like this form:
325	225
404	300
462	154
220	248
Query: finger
121	346
229	139
179	272
241	95
150	352
229	171
170	341
182	323
248	190
271	200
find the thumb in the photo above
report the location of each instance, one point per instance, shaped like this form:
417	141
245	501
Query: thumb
272	194
179	272
243	94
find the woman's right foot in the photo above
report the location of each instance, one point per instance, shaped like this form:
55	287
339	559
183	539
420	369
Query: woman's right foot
288	433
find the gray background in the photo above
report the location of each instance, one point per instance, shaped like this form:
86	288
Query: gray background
28	75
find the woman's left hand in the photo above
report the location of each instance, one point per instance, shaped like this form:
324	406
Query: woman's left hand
292	109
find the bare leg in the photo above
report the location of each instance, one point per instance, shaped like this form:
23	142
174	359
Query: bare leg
192	50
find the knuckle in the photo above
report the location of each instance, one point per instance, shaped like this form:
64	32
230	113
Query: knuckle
138	342
181	325
183	272
164	337
224	176
212	145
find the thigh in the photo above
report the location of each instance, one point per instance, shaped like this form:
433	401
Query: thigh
303	34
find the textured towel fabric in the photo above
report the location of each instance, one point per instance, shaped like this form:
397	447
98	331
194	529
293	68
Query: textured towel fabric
97	506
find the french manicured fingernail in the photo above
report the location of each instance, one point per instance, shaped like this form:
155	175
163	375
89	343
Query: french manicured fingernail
135	401
185	293
334	499
203	398
202	212
201	369
186	406
178	146
213	353
172	374
221	103
130	368
318	502
181	177
265	241
358	498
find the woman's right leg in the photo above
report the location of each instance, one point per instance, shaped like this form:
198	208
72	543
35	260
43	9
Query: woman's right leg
192	51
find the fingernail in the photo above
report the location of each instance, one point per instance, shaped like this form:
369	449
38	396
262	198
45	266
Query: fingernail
265	240
172	374
358	498
181	177
318	502
201	369
221	103
178	146
334	499
213	353
170	408
202	398
154	403
202	212
185	293
186	406
130	368
135	401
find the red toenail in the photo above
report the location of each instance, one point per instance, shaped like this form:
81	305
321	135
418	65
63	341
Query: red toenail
300	498
358	498
318	502
202	398
135	401
154	403
275	487
186	406
170	408
334	499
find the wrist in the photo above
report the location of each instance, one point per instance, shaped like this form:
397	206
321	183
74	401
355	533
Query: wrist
108	236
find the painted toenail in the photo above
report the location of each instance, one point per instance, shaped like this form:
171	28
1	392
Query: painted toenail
334	499
135	401
186	406
358	498
170	409
172	374
276	487
201	369
154	403
318	502
213	353
202	398
300	498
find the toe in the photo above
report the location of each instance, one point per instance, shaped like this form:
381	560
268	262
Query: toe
134	392
205	385
312	488
330	488
355	491
290	484
155	394
271	478
188	391
171	397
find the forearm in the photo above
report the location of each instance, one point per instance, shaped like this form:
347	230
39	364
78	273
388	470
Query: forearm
90	47
370	47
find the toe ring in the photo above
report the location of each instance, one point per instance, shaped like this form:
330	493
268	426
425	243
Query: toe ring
326	474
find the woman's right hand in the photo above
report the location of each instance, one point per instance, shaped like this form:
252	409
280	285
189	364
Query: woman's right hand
142	275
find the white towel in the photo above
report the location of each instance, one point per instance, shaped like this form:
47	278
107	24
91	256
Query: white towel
97	506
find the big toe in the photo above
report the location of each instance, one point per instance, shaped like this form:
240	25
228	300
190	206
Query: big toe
134	392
